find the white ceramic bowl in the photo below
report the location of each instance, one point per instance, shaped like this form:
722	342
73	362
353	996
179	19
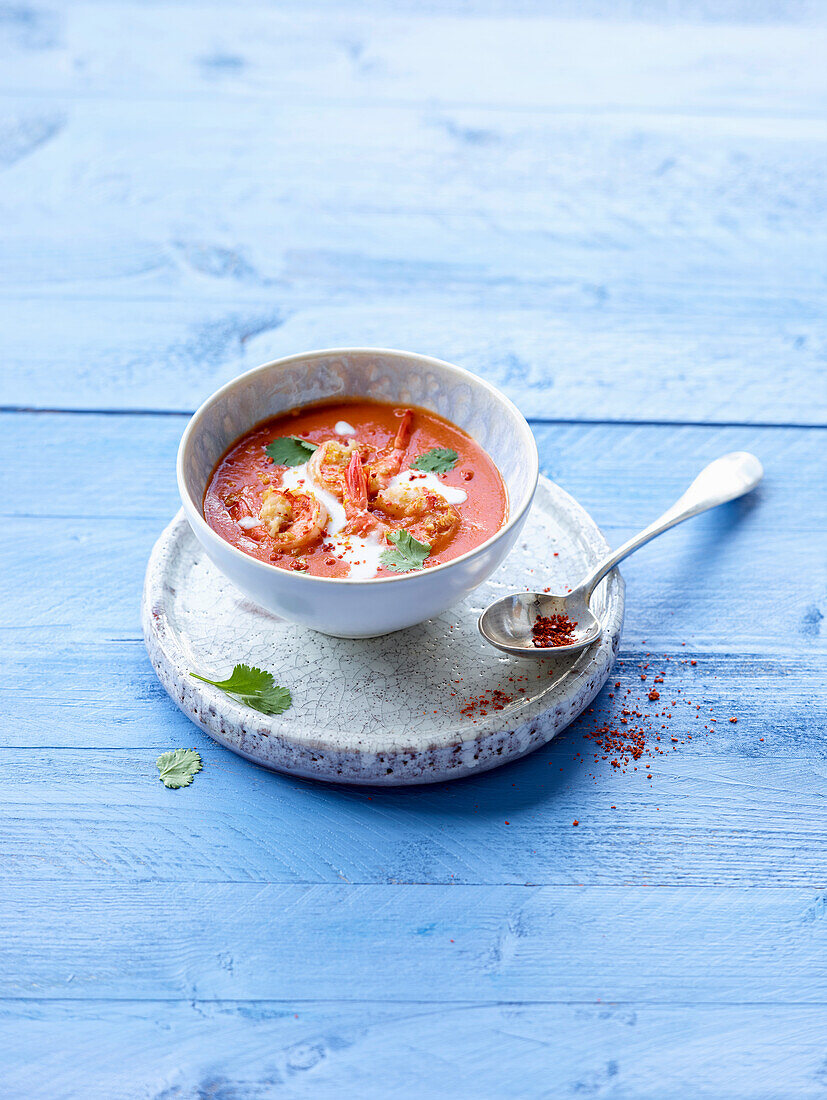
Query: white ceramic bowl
339	606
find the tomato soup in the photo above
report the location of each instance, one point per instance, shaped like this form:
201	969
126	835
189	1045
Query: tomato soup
356	489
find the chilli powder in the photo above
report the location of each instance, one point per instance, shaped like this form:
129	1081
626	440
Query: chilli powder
550	631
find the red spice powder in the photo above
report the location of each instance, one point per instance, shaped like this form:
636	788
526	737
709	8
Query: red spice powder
495	699
631	736
550	631
636	735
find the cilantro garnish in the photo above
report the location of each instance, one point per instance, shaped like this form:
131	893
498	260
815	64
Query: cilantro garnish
408	552
439	460
178	767
253	687
289	450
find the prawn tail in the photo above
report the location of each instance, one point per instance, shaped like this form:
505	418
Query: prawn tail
357	485
403	433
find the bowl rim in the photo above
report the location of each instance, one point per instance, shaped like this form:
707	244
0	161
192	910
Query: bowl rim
193	511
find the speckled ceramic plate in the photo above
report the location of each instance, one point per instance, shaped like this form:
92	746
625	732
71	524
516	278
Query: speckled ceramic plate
404	708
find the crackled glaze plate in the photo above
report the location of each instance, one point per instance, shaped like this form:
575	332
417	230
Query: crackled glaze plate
411	707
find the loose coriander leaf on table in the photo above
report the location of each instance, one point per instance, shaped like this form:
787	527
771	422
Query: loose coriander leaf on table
439	460
178	767
408	552
289	450
254	687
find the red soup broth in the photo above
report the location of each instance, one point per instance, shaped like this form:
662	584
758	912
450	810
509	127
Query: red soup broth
245	478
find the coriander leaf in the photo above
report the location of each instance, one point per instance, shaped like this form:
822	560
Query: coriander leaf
245	680
178	767
289	450
439	460
408	554
254	687
274	700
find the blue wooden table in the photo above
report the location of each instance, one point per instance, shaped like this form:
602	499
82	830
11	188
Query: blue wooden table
620	218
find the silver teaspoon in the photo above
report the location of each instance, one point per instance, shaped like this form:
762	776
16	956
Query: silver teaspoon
507	623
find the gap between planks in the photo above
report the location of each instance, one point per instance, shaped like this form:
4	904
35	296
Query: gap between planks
372	1002
596	421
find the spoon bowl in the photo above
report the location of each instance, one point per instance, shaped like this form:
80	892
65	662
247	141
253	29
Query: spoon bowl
507	623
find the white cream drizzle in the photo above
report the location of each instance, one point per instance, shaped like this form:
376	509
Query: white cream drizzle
430	481
343	428
298	477
361	554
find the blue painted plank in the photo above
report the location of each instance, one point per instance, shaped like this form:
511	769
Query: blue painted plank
690	268
683	285
373	53
647	364
714	814
390	943
309	1051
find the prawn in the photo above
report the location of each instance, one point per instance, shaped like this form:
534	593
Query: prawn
245	513
388	463
355	500
426	515
239	505
293	519
328	464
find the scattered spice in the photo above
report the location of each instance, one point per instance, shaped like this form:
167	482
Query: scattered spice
624	732
550	631
489	700
632	735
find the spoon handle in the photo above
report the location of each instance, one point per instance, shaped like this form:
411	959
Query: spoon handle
724	479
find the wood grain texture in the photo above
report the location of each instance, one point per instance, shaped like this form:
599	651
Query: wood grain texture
677	366
304	1050
711	815
553	250
372	54
389	943
691	271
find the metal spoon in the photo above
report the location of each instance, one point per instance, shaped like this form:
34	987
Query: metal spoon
507	622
